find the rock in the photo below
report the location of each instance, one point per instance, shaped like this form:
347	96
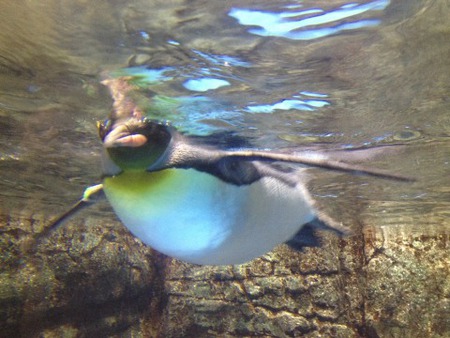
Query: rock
92	280
78	282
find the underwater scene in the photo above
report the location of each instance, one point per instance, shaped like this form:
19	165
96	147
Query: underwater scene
209	133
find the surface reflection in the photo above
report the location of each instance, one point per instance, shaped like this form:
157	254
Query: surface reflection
288	23
298	102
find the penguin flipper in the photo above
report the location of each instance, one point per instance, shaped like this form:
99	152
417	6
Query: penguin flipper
227	164
315	159
242	172
90	196
307	235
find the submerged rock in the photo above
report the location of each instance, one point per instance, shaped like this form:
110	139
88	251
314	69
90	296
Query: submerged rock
89	280
83	281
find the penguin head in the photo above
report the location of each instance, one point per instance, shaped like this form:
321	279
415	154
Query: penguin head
134	143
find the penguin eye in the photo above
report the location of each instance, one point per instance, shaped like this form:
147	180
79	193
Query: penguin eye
104	127
139	126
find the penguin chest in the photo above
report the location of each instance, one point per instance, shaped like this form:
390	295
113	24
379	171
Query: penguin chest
196	217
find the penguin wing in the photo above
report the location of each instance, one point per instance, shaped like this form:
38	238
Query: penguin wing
247	166
316	159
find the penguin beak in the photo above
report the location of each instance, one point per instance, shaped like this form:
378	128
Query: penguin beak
132	141
121	136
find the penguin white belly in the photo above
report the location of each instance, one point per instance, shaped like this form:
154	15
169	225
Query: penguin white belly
196	217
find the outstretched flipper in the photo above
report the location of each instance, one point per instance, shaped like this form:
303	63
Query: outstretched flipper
90	196
238	166
313	159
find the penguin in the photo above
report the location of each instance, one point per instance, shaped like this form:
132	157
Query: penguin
207	205
202	203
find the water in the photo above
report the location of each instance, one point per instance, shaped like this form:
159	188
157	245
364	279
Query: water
282	73
287	73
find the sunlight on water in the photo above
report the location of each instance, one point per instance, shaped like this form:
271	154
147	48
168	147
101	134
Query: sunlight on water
189	113
221	60
287	24
204	84
291	104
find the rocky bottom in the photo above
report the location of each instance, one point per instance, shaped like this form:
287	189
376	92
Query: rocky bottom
92	280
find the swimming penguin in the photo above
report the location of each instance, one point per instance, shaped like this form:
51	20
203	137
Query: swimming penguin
201	203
